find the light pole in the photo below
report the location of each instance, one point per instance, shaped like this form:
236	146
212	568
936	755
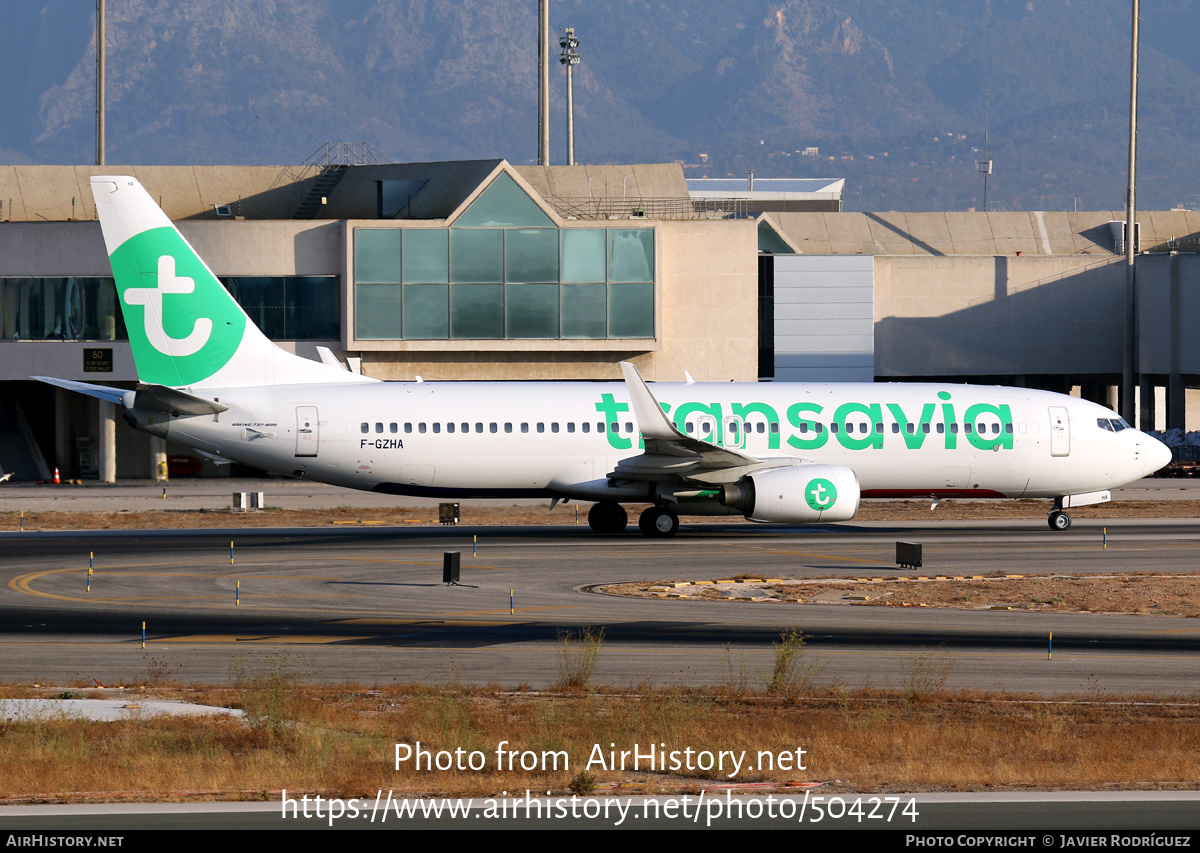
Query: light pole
1129	372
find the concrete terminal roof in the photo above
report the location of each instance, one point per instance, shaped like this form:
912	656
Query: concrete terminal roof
61	193
638	181
992	233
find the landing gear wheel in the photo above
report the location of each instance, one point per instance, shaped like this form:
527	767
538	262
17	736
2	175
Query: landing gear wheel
607	517
1059	520
659	522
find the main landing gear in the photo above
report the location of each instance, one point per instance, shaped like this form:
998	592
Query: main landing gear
1059	520
607	517
659	521
610	517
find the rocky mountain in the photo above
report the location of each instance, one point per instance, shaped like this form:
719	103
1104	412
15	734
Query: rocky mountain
890	94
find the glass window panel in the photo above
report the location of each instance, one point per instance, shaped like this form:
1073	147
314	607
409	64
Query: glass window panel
426	255
289	307
426	311
532	310
631	310
377	311
503	203
477	311
584	310
477	255
631	254
262	298
770	241
583	254
377	255
395	198
531	254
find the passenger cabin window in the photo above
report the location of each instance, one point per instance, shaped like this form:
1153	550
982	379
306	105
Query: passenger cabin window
437	426
392	428
366	427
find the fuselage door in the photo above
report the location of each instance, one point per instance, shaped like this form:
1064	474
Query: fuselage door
1060	431
706	428
735	432
308	431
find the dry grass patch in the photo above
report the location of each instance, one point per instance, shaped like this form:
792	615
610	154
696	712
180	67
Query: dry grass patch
1164	595
341	741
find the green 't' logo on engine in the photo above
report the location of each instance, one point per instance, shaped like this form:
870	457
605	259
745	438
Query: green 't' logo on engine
820	494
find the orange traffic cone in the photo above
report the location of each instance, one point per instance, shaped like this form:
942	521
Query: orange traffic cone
57	481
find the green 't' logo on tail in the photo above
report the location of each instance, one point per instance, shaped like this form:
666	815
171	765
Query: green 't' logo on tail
183	325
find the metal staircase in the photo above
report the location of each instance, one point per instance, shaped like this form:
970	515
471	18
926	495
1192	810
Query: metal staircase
326	181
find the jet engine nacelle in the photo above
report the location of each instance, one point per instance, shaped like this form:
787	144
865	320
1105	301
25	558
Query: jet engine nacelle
796	493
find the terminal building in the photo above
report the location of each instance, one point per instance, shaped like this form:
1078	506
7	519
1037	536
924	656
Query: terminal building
483	270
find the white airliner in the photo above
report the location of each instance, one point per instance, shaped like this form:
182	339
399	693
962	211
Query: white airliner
773	452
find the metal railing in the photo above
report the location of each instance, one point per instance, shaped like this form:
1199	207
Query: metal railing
609	207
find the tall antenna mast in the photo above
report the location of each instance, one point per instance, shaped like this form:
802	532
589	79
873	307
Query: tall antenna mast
543	84
985	165
99	82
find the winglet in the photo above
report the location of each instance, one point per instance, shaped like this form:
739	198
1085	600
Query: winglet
652	420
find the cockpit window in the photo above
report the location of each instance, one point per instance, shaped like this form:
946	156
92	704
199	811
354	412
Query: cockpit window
1120	424
1103	423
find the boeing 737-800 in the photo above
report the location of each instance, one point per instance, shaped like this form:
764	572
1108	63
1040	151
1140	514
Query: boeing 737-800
773	452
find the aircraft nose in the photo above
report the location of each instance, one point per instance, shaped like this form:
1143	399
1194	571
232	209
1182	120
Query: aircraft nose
1158	455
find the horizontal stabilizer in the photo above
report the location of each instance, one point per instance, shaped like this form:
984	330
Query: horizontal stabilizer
100	392
159	398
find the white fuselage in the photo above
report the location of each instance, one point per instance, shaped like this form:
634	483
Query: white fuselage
562	439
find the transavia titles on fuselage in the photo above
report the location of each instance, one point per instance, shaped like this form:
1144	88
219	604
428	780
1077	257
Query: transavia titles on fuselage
781	452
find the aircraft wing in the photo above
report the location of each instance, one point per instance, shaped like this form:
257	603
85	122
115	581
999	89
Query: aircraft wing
669	452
